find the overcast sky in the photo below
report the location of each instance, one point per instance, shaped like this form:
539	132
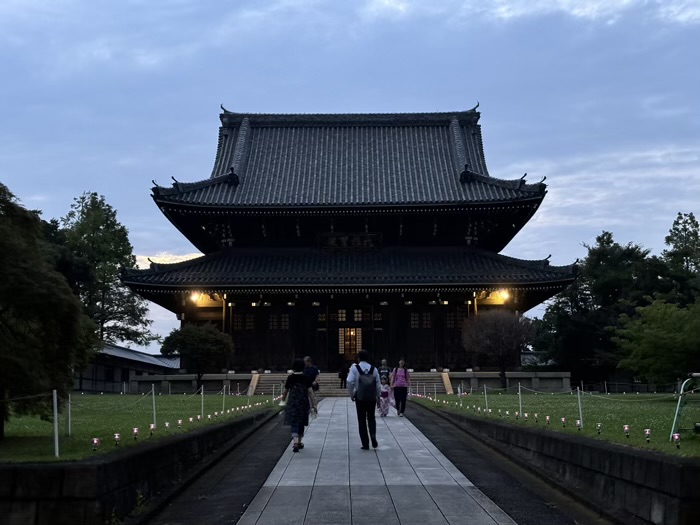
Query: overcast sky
600	96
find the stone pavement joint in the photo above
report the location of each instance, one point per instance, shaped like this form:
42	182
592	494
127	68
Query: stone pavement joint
331	481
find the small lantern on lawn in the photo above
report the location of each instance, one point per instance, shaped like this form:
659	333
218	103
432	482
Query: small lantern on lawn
489	411
525	415
167	426
536	417
95	443
117	438
479	410
136	432
216	414
499	413
598	427
578	424
647	434
547	418
626	430
208	416
199	418
677	440
517	415
179	423
152	427
507	413
563	422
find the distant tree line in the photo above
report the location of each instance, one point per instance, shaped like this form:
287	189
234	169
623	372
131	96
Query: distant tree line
60	296
629	314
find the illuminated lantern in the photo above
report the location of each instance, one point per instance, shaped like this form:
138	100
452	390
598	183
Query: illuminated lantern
536	417
677	440
547	418
167	426
578	424
95	443
599	427
136	432
191	420
179	423
626	430
152	427
117	438
647	434
525	414
563	422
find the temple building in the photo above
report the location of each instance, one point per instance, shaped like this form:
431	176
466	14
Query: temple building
326	234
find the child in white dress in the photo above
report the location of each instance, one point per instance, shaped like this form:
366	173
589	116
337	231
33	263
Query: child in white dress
384	398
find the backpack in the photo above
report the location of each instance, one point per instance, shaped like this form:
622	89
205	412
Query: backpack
366	385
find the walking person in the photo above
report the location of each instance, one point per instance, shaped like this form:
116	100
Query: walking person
343	375
384	400
385	371
400	383
311	371
299	398
365	390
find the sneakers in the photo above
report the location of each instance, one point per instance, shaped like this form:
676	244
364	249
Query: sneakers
301	445
295	448
400	415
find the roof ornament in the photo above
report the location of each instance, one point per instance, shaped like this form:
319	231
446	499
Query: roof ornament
174	179
543	179
545	263
466	175
224	109
232	177
475	107
156	188
522	181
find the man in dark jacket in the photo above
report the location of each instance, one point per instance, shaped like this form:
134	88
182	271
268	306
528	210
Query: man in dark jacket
311	371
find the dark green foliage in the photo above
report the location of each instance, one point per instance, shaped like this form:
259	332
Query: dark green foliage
629	310
201	348
43	333
92	233
661	342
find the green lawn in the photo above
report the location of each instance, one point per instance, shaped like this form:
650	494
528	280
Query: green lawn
641	411
28	438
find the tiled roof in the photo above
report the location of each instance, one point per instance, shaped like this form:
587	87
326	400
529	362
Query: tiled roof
142	357
247	268
349	160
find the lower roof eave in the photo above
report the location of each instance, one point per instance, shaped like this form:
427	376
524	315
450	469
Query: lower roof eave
354	288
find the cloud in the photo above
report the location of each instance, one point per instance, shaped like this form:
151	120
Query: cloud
635	194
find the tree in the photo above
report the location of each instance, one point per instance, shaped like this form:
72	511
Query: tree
201	348
662	342
683	259
43	333
499	334
93	233
578	325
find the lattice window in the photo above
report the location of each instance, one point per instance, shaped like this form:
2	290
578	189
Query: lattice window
341	341
238	321
427	320
321	318
249	321
358	340
451	320
415	320
273	322
284	322
378	316
357	315
341	315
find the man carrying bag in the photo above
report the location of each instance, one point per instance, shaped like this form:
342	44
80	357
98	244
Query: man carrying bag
364	389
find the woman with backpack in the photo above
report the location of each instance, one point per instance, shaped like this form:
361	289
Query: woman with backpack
400	383
299	399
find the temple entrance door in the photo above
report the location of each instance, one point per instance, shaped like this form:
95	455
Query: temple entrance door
349	342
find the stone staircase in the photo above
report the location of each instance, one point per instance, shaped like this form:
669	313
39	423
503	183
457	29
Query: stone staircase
267	381
427	382
329	384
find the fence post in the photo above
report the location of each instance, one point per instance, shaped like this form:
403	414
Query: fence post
55	423
520	400
580	411
201	395
153	392
486	400
69	426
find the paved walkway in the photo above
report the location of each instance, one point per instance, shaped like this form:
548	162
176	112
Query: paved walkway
332	482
